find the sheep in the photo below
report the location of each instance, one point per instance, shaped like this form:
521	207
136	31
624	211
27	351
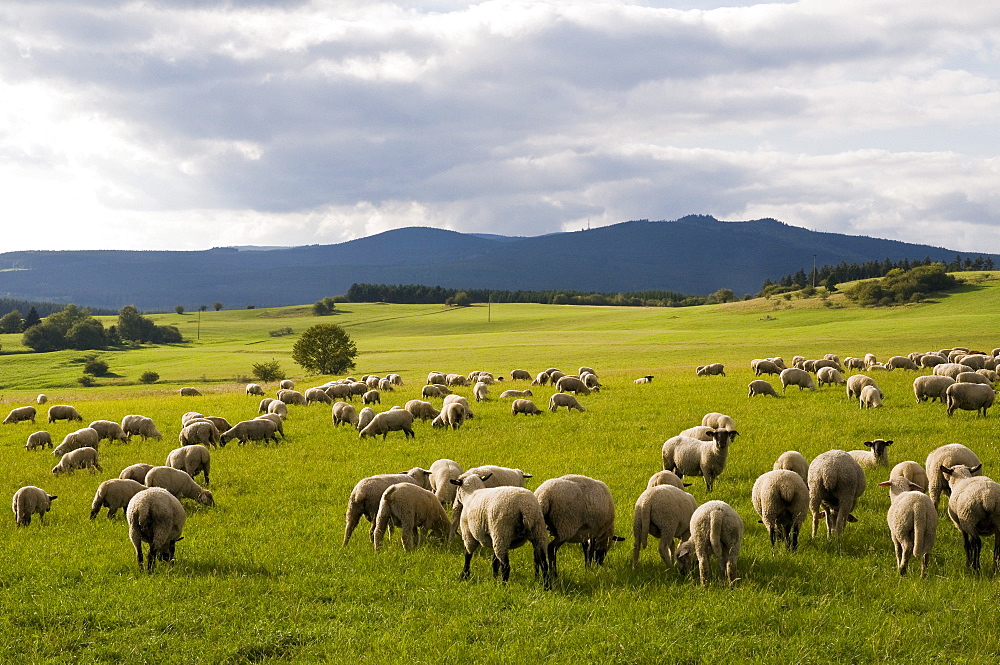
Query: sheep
442	471
317	395
480	391
461	400
81	458
291	397
136	472
389	421
38	440
870	359
951	369
973	377
573	384
436	378
286	384
562	399
876	457
371	381
200	432
155	516
365	416
264	403
371	397
716	529
973	360
912	520
951	454
188	391
63	412
932	360
700	432
500	476
455	380
764	366
255	389
109	430
507	394
712	369
451	415
761	387
643	379
664	512
856	383
433	390
854	363
278	408
178	483
394	379
412	509
781	498
974	509
30	500
794	376
190	416
81	438
835	481
666	478
816	365
969	397
114	494
793	460
342	412
901	362
501	518
541	379
192	460
385	386
134	424
20	414
989	374
42	398
250	430
367	494
717	420
686	456
911	471
830	376
870	398
577	509
931	387
525	406
275	420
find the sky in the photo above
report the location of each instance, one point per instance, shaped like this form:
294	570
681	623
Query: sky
194	123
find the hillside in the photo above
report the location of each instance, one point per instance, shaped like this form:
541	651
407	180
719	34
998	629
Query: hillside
694	255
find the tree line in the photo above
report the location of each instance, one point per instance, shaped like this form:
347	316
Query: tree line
76	328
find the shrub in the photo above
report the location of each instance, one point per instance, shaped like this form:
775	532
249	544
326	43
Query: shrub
280	332
149	377
95	367
268	371
325	348
86	380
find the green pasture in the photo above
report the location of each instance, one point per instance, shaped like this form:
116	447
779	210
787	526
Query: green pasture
263	577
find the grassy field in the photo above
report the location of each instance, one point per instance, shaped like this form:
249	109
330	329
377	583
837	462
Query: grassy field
262	577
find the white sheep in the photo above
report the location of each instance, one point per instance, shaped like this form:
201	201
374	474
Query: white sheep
85	437
200	432
81	458
913	472
793	376
278	408
541	379
279	427
969	397
371	397
765	366
480	390
508	394
367	493
520	375
433	390
662	511
255	389
114	494
793	460
666	478
717	420
443	471
63	412
563	399
876	457
901	362
525	406
155	516
574	384
317	395
912	520
109	430
142	426
136	472
30	500
394	379
192	460
286	384
931	387
413	509
781	498
291	397
577	509
365	416
974	509
38	440
712	369
716	530
950	455
20	414
250	430
449	399
451	415
761	387
342	412
389	421
856	383
830	376
836	481
870	398
951	369
42	398
178	483
188	391
686	456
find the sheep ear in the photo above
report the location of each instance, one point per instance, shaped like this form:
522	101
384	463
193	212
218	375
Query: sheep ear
885	483
527	475
52	497
889	442
618	539
976	468
945	470
486	477
914	486
869	444
686	484
457	483
852	518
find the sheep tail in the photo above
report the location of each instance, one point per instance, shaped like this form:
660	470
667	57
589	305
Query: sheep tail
715	532
640	530
381	523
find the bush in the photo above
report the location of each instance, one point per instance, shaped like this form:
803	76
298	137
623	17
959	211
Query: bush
86	380
95	367
325	348
268	371
149	377
281	332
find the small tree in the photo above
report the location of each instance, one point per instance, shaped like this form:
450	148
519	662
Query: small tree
11	322
268	371
217	306
149	377
95	367
325	348
179	309
32	319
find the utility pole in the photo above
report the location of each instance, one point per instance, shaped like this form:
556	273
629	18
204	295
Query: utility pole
814	271
489	306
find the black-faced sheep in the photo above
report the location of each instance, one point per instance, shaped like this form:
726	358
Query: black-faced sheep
155	516
716	530
643	379
30	500
836	481
687	456
974	509
662	511
876	457
577	509
912	520
367	493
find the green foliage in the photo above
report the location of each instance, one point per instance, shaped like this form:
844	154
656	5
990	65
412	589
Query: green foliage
902	286
179	309
11	322
325	348
95	367
720	296
217	305
268	371
281	332
86	380
460	299
32	319
149	377
136	328
324	307
71	328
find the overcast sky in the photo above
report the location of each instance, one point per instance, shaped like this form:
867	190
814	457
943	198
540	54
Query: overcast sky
193	124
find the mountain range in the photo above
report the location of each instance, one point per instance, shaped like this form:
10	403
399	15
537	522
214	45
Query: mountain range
694	255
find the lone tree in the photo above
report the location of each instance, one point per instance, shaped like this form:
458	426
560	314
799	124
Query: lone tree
325	349
268	371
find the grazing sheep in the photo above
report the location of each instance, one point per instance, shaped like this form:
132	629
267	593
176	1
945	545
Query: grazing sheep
854	363
700	432
342	412
178	483
433	390
573	384
250	430
870	359
830	376
38	440
455	380
264	404
390	421
973	377
41	399
520	375
974	509
20	414
365	416
901	362
911	471
989	374
63	412
969	397
716	529
856	383
30	500
932	360
931	387
442	471
793	376
643	379
451	415
712	369
876	457
189	392
686	456
81	458
278	408
394	379
81	438
764	366
109	430
577	509
136	472
761	387
412	509
870	398
525	406
255	389
422	410
717	420
371	397
192	460
114	494
781	498
367	494
200	432
317	395
480	391
664	512
190	416
836	481
541	379
562	399
951	369
591	381
140	425
461	400
793	460
912	520
507	394
286	384
371	381
665	478
275	420
291	397
155	516
951	455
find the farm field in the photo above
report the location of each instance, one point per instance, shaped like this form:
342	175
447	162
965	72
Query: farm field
263	576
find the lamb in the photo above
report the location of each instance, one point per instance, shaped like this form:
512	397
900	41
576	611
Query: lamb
412	509
155	516
717	420
974	509
30	500
192	460
830	376
250	430
451	415
665	478
371	397
931	387
911	471
951	454
716	529
686	456
507	394
286	384
81	438
63	412
764	366
870	398
712	369
443	471
856	384
278	408
200	432
876	457
761	387
367	494
781	498
114	494
188	391
140	425
969	397
643	379
541	379
525	406
178	483
42	398
20	414
136	472
912	520
255	389
390	421
836	481
794	376
562	399
81	458
480	391
577	509
433	390
664	512
573	384
364	418
291	397
317	395
501	518
109	430
38	440
793	460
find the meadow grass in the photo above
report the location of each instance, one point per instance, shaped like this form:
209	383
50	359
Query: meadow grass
262	577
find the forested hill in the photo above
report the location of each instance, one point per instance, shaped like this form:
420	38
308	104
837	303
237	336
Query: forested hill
693	255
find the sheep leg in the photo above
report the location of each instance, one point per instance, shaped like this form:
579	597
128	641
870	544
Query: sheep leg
353	516
553	548
973	545
666	549
503	560
465	569
793	544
